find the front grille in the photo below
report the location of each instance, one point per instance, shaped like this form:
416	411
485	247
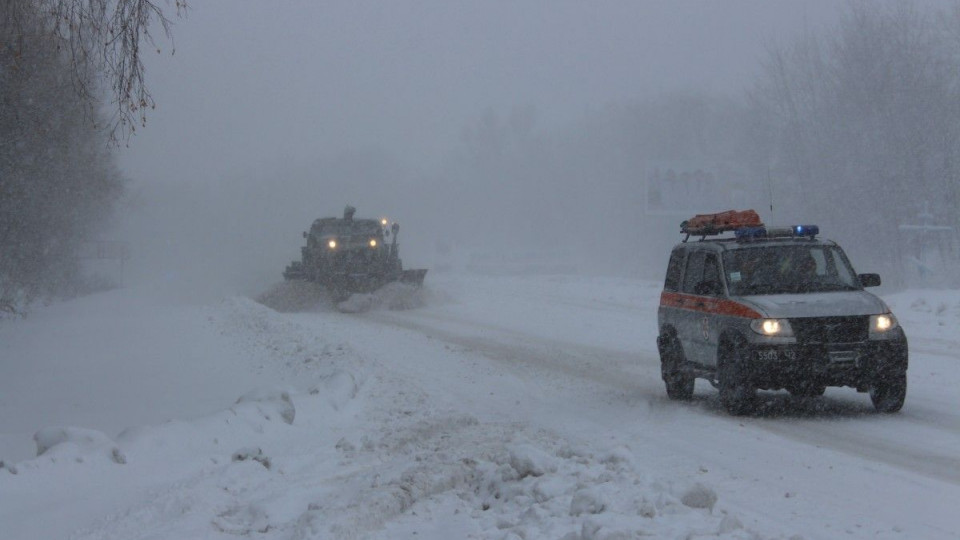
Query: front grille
830	329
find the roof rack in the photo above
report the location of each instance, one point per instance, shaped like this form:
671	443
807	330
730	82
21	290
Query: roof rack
704	225
746	226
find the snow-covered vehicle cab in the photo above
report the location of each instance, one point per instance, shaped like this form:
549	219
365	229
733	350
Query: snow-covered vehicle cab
770	309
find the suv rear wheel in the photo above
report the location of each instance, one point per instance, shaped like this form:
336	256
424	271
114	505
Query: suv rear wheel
678	382
737	394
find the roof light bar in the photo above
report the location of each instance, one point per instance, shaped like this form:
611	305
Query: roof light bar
745	224
745	234
750	233
779	232
795	231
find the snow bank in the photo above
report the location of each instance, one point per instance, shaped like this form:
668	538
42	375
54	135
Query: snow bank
393	296
270	403
528	460
927	313
301	355
338	388
497	481
76	444
294	296
300	296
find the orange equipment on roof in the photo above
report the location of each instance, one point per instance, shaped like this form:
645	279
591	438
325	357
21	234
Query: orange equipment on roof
706	224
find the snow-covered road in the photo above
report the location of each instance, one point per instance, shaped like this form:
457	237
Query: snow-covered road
631	367
498	407
840	439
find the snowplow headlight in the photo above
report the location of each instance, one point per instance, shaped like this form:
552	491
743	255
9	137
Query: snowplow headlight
332	244
882	323
373	242
384	221
772	327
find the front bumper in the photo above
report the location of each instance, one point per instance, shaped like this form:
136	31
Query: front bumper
775	366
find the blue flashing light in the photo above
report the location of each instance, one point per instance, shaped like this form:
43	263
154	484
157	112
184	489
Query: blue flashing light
806	230
750	233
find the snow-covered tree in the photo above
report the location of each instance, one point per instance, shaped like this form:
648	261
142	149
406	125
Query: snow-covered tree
103	42
860	124
58	178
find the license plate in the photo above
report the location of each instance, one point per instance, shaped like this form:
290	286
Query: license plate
843	357
772	355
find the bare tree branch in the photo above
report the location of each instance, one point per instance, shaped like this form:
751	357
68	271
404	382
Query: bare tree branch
103	40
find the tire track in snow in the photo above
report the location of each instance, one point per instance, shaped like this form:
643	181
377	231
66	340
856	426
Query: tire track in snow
609	367
944	467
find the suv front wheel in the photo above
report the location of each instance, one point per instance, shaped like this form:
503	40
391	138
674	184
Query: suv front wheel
737	394
889	392
678	382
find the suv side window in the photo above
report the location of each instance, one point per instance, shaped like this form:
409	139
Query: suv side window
672	282
694	271
711	273
835	266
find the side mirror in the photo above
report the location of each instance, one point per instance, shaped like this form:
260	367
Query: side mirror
869	280
304	234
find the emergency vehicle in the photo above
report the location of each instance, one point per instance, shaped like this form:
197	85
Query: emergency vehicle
749	308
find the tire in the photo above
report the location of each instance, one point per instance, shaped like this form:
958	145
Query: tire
807	390
889	392
737	394
679	383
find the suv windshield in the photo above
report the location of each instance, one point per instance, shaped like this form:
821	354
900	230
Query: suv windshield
788	269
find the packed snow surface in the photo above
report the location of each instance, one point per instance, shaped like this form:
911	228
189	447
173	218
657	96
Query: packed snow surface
478	407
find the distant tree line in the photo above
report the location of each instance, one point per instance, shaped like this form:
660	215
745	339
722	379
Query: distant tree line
855	127
859	126
58	176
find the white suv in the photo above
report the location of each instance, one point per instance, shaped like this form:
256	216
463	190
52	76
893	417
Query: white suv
776	310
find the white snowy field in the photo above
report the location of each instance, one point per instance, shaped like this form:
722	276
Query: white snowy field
489	407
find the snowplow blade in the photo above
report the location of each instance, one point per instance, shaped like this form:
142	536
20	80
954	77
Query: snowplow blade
294	271
413	276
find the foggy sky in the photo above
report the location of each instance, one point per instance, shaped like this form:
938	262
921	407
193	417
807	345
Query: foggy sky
255	84
224	175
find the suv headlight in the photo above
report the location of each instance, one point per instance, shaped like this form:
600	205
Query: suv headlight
772	327
880	324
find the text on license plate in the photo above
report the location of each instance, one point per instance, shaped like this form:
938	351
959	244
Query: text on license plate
774	354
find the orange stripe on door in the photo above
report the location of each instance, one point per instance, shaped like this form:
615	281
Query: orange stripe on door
707	304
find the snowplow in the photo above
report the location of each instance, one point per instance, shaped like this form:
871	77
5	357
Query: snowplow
347	255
